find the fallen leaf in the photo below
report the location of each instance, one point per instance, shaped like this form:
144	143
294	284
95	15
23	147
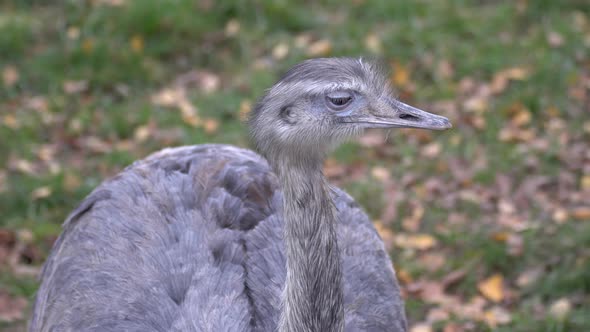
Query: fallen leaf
554	39
385	233
245	109
71	182
401	75
11	308
418	241
75	87
41	192
210	125
381	173
528	277
232	28
560	309
10	121
421	327
581	213
373	43
321	47
492	288
10	76
73	32
142	133
436	315
496	316
560	215
280	51
137	43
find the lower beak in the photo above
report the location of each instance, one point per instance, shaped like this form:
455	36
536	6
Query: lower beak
395	114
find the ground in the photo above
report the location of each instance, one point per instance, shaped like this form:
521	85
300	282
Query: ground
488	224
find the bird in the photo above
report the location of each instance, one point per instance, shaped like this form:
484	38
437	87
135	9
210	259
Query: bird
220	238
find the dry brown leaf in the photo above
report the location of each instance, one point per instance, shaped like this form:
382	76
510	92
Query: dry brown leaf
492	288
321	47
418	241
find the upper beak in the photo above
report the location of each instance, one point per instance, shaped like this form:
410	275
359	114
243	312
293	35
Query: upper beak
392	113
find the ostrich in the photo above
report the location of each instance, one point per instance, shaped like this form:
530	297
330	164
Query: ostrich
218	238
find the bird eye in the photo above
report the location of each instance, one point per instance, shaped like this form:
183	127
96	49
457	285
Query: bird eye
338	101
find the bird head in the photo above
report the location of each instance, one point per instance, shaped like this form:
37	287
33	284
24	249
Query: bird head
319	103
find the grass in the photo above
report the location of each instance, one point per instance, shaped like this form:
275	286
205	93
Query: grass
449	50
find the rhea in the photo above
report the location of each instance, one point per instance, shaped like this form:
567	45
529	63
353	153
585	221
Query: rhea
218	238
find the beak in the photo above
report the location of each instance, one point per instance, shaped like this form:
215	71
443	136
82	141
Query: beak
392	113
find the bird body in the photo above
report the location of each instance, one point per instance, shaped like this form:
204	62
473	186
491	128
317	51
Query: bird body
191	239
217	238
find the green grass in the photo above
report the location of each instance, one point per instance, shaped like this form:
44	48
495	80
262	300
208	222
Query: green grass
126	54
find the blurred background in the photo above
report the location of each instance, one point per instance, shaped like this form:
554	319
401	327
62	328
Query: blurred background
488	224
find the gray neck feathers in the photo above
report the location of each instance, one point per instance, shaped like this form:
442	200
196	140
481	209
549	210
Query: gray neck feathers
313	296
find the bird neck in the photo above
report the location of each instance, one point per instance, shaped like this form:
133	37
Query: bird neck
313	295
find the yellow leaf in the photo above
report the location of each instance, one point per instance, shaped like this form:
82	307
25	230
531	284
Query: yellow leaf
585	182
87	46
137	44
418	241
492	287
245	109
401	75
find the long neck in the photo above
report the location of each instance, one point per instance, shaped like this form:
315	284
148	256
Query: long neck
313	297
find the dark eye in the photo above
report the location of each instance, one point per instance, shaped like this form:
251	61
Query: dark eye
338	101
341	101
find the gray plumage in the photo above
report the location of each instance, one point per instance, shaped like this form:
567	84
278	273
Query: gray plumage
217	238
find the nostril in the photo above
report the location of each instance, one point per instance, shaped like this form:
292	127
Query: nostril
408	117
